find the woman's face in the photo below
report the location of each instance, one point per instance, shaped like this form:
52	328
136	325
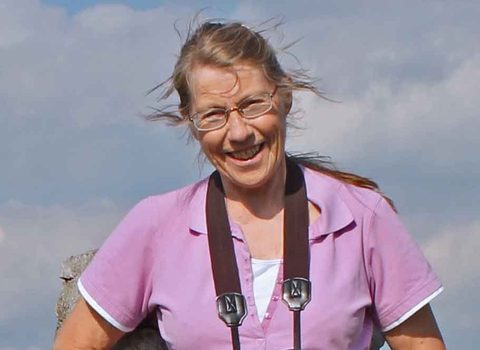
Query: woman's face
248	153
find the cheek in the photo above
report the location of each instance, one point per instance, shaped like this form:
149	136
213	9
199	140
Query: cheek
277	128
209	142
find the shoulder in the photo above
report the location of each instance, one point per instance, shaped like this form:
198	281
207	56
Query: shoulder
360	201
158	213
176	202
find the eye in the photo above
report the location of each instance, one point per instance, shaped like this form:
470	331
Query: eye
212	114
252	101
255	105
210	119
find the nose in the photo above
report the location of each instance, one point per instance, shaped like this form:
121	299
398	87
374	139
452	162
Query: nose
238	128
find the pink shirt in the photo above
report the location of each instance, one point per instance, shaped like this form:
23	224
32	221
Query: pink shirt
364	268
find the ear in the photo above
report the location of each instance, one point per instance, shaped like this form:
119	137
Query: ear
195	133
287	102
185	116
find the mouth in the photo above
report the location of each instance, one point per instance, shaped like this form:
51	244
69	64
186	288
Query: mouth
247	153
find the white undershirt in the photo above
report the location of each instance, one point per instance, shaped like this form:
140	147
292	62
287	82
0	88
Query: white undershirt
265	274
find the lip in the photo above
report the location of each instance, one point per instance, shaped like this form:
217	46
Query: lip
250	160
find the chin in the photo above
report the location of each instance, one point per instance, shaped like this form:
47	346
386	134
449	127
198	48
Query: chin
249	182
257	176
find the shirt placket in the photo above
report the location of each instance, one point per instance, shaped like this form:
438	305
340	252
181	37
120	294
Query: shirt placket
272	305
258	331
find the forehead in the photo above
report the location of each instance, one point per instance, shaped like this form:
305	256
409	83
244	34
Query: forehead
240	79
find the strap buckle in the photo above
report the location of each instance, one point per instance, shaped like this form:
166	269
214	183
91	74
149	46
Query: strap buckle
232	308
296	293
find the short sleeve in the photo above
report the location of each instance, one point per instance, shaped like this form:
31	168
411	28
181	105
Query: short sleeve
118	283
401	279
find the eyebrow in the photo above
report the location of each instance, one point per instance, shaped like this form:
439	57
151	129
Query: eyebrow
215	105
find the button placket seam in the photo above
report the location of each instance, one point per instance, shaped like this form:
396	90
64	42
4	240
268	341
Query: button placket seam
272	304
247	291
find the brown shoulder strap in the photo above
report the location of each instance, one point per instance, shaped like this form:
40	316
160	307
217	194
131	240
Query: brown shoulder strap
296	252
296	287
222	255
231	305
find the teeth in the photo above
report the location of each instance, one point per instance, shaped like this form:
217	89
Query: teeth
246	154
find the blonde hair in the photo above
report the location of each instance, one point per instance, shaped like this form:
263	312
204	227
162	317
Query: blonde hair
223	44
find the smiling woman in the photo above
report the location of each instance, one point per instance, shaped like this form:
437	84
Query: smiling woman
264	227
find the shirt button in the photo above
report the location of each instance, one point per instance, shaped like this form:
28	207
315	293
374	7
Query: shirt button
275	298
268	316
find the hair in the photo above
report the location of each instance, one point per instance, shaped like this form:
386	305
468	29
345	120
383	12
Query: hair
224	44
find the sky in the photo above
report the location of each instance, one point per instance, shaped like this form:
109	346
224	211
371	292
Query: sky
75	156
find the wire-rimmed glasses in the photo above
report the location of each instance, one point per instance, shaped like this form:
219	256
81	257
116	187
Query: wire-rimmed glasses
249	108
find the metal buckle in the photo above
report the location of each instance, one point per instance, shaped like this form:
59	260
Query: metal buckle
296	293
231	308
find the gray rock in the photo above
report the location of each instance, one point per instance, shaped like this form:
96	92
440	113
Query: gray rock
71	270
145	336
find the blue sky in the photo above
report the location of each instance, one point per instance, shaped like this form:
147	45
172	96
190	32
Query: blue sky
73	7
79	5
75	156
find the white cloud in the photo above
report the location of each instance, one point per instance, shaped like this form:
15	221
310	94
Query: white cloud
105	19
435	120
2	235
92	69
13	31
453	253
70	91
39	240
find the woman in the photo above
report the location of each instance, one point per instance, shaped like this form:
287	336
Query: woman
363	266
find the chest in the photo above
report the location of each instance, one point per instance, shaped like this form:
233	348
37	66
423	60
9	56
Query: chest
264	236
337	316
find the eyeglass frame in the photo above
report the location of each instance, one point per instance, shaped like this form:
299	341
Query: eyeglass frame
231	109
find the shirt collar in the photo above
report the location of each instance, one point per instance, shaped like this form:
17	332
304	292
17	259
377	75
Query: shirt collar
198	203
326	193
323	191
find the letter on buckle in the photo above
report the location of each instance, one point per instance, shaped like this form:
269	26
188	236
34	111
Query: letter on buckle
231	308
296	293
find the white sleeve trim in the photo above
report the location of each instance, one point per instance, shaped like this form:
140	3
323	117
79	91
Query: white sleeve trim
413	310
100	310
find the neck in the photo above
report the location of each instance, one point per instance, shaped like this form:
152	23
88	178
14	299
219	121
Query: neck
264	202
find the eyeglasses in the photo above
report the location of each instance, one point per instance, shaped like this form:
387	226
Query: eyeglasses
249	108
